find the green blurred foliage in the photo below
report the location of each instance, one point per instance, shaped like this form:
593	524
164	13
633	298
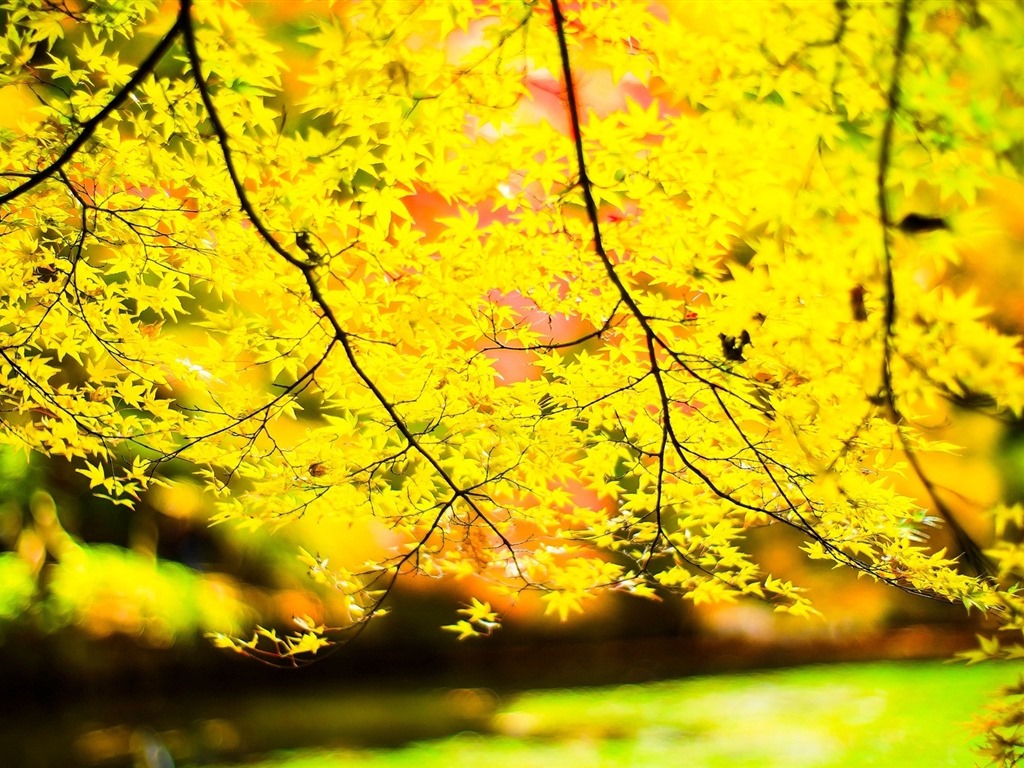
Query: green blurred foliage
69	561
17	587
106	588
844	716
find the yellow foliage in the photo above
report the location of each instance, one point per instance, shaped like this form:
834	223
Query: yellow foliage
433	285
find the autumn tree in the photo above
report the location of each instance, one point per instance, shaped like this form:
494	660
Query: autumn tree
564	297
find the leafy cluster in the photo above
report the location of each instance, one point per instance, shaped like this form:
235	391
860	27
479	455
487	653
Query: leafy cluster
582	346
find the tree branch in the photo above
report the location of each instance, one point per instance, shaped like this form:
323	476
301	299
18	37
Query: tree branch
970	550
340	335
143	71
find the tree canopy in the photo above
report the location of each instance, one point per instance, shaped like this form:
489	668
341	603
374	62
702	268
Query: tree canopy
553	296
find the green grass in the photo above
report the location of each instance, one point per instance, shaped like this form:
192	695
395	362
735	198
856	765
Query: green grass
883	715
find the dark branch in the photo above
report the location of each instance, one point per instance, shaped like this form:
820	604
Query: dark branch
970	550
89	127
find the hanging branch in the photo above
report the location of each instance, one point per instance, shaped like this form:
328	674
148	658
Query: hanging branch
972	552
793	516
467	495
